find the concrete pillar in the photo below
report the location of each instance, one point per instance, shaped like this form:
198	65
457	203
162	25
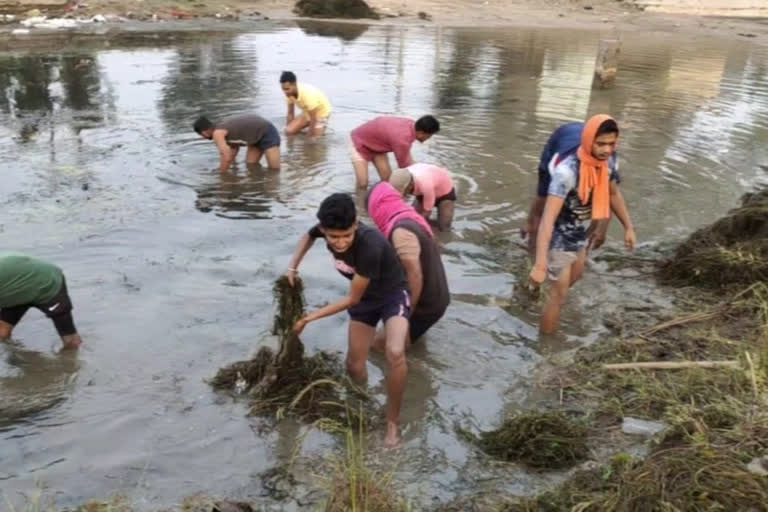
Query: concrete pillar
607	63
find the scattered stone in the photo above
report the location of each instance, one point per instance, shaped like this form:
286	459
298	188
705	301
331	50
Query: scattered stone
759	466
637	427
85	186
588	7
424	16
747	34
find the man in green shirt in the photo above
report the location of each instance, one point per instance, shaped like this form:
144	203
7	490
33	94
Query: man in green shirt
27	282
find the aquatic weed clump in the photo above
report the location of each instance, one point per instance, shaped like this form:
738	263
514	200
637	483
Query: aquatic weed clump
334	9
289	383
733	250
540	440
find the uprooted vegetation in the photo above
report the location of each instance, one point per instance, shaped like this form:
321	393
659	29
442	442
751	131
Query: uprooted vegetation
313	389
353	9
733	250
540	440
703	374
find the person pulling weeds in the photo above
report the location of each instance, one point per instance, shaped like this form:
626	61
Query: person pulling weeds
27	282
583	189
377	292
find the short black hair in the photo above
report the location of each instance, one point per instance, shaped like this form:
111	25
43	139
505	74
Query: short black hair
337	211
287	76
428	124
202	124
608	126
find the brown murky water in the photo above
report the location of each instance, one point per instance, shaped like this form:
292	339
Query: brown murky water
170	264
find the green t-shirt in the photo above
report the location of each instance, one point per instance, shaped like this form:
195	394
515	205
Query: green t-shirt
25	280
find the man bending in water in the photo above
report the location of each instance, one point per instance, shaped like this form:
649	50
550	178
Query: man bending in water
583	189
259	135
433	188
31	283
370	142
377	292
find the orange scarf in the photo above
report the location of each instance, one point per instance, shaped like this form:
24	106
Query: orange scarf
594	173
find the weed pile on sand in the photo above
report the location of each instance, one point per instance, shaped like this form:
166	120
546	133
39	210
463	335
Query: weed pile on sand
334	9
540	440
288	383
733	250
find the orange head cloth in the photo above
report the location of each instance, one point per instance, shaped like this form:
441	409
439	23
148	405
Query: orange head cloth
594	173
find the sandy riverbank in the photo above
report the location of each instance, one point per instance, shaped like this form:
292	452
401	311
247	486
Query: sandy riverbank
607	16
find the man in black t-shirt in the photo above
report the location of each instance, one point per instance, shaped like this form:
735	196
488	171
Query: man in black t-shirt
378	291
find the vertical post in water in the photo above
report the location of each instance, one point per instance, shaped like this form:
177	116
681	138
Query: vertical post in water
607	63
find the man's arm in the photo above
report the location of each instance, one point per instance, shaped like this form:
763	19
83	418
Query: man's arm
356	290
402	151
291	114
305	243
408	251
226	153
552	208
619	208
534	216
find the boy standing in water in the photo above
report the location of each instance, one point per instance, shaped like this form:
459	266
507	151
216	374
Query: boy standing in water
373	140
583	188
377	292
28	282
316	109
562	143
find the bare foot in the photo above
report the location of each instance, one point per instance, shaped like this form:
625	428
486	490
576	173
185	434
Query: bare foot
71	342
393	435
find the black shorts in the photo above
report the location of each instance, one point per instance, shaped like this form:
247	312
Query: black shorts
370	312
270	139
58	309
450	196
420	324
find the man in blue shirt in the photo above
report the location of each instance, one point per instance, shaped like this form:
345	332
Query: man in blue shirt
562	143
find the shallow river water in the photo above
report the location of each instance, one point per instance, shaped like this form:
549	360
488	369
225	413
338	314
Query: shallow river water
170	263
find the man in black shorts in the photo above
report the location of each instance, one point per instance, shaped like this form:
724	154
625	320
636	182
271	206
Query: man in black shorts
27	282
261	137
377	293
418	251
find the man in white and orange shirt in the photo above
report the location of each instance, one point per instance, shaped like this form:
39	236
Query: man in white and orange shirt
372	141
433	188
316	109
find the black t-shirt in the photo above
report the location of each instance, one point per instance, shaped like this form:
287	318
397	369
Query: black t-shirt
371	256
435	295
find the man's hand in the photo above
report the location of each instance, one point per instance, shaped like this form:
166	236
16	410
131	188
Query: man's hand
597	238
291	275
537	276
630	238
527	229
300	325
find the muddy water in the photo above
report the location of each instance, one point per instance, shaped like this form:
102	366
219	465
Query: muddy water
170	264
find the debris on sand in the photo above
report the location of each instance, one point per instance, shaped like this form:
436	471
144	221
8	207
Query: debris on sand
733	250
353	9
540	440
288	383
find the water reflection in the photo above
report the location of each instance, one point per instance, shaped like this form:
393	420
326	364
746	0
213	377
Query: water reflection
35	87
217	79
33	382
240	194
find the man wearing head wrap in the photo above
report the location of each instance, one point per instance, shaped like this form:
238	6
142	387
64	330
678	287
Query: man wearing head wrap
582	189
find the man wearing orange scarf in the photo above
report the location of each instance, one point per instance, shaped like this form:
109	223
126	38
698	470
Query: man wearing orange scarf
583	190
